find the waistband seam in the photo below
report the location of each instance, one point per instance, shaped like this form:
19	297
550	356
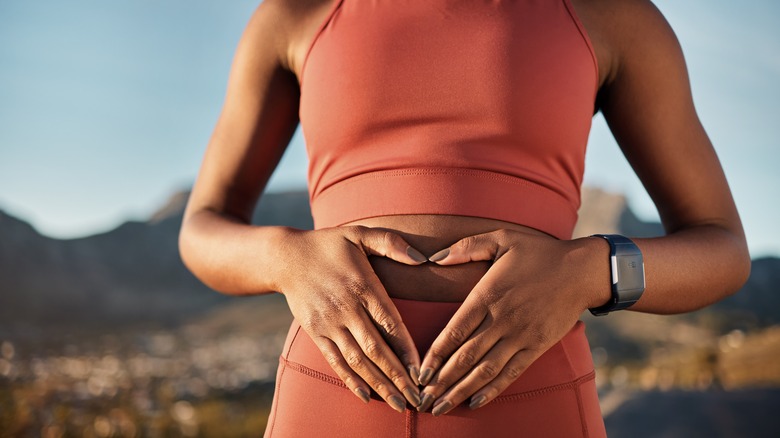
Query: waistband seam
303	369
485	174
573	384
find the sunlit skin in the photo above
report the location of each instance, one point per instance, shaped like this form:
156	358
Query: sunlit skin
523	289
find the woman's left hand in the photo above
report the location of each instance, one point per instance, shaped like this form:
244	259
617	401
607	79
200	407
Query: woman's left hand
532	295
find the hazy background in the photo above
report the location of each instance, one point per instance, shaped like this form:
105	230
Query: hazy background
107	107
105	111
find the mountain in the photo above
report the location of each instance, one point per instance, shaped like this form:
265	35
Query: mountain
758	302
605	212
133	274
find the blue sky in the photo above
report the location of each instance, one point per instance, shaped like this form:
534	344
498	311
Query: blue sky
106	107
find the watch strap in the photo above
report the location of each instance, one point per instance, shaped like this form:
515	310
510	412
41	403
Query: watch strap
623	251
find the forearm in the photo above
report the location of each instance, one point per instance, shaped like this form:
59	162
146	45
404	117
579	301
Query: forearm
684	271
231	256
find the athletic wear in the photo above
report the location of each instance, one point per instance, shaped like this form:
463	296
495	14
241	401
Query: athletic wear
463	107
459	107
555	397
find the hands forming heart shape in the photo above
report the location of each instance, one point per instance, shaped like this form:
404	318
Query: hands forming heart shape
531	296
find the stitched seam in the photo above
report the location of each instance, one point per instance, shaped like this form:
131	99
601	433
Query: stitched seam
484	174
546	390
564	347
289	348
581	408
584	34
411	425
277	396
577	391
335	5
303	369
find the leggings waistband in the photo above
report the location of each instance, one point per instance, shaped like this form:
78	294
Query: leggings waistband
567	361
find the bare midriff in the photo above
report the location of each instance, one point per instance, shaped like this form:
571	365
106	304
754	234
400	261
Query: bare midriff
429	234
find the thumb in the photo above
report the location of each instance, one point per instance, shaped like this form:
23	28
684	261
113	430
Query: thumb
479	247
381	242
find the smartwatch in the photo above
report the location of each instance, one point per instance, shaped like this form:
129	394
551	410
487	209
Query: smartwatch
627	273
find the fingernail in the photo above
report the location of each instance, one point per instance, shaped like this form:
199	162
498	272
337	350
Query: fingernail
417	256
441	408
414	373
441	255
477	402
427	401
397	402
412	396
425	375
362	394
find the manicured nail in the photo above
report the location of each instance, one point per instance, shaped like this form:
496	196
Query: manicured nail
441	255
412	396
414	373
417	256
397	402
477	402
362	394
427	401
441	408
425	375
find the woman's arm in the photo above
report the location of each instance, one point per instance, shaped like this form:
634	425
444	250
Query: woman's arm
537	288
325	274
258	119
648	105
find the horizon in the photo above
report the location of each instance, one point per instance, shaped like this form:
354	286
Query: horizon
75	163
281	190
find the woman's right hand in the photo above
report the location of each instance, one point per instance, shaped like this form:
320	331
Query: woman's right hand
339	301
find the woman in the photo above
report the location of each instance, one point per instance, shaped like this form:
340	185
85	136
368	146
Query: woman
446	142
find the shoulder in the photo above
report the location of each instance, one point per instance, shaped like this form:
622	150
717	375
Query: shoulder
628	23
288	24
620	19
629	30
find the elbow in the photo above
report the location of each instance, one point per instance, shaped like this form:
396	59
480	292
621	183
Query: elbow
741	266
185	247
192	259
743	274
190	250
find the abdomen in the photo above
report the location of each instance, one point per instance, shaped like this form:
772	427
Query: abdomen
429	234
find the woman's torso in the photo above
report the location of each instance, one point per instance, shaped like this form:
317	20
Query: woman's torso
426	232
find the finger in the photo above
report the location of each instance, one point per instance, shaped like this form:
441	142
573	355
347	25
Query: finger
387	321
381	242
480	247
356	359
373	345
461	326
483	373
461	363
336	361
511	371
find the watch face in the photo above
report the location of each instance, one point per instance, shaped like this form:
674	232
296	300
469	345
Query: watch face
631	273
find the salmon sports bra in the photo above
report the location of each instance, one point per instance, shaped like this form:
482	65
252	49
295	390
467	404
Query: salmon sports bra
459	107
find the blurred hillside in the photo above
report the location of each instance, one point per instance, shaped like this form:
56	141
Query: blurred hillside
130	275
133	274
111	334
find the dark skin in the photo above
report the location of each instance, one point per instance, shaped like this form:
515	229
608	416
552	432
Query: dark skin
522	289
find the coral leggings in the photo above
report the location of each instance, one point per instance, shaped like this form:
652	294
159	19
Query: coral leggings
555	397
